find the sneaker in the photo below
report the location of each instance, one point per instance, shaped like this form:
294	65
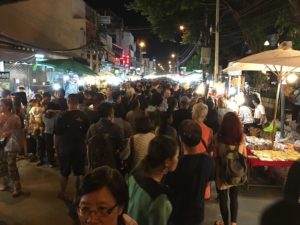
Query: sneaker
16	194
39	164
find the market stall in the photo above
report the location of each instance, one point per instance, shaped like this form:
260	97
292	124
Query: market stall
281	61
260	152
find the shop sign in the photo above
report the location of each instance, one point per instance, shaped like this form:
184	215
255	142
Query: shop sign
4	76
4	80
104	20
205	56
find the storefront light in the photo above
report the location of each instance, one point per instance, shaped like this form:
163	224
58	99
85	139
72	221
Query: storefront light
90	80
56	86
66	78
220	88
80	82
291	78
266	43
232	91
200	89
115	81
33	80
39	56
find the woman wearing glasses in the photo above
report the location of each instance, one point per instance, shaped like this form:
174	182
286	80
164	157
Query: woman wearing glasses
102	198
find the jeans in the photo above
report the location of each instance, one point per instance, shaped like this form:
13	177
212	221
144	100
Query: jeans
223	203
9	170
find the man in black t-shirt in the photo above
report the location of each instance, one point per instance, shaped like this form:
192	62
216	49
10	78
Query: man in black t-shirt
60	99
22	94
70	130
188	182
106	126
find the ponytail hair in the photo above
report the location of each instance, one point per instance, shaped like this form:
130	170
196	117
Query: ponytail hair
160	149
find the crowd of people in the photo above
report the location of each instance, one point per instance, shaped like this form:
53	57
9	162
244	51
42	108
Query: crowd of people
150	150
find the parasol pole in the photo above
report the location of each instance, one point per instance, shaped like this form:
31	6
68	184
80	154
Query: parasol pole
276	108
282	105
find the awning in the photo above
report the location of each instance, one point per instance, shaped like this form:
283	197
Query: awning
69	65
16	55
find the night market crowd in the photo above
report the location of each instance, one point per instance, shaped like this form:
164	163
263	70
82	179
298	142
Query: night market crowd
145	153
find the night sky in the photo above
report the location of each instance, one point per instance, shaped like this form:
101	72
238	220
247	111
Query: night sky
155	48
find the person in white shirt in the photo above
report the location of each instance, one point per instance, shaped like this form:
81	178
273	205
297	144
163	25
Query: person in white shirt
246	117
296	104
166	95
260	118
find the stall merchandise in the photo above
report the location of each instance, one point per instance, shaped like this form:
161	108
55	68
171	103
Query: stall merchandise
256	143
254	161
260	152
276	155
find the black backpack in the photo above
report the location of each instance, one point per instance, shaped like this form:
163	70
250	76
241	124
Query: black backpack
100	150
233	167
126	166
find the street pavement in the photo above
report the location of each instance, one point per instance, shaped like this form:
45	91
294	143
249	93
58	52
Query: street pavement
39	204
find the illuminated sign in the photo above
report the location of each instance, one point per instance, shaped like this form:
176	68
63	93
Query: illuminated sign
4	75
4	80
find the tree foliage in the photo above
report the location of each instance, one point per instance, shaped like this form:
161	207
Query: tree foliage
244	24
193	63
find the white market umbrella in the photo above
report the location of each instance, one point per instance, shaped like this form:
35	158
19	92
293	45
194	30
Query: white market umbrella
238	66
281	62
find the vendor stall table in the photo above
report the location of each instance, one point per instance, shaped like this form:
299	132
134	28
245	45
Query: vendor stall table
253	161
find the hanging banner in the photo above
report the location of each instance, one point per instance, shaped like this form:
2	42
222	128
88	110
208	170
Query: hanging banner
205	56
4	80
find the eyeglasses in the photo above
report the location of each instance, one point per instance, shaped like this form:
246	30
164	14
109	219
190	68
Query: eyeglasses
86	211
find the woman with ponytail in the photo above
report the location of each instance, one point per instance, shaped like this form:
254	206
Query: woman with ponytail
148	201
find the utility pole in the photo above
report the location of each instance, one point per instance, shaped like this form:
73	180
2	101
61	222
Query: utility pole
216	66
177	63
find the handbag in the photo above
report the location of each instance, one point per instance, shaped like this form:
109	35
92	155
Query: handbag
127	164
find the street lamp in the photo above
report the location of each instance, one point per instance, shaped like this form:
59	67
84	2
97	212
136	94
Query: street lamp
267	43
291	78
181	28
175	57
142	45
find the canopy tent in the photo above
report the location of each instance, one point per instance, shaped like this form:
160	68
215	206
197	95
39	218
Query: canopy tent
69	65
281	61
238	66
